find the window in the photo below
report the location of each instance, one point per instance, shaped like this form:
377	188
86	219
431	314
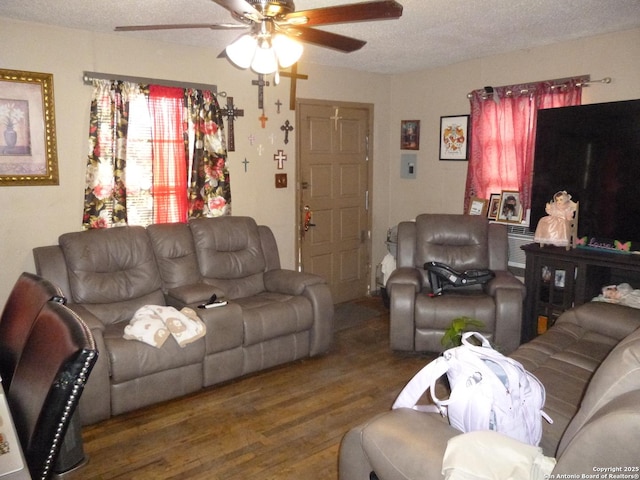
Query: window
156	155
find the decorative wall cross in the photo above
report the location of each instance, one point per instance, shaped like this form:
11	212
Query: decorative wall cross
251	138
294	76
279	157
263	120
335	118
246	162
278	104
261	83
231	112
260	149
286	128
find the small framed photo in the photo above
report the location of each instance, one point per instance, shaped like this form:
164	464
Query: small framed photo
559	280
494	206
477	206
510	209
28	152
410	135
454	137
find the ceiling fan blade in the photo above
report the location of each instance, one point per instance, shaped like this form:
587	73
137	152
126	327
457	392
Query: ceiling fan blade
241	9
326	39
356	12
177	26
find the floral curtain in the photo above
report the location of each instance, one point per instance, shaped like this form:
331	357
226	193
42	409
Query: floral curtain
209	189
105	193
174	143
503	125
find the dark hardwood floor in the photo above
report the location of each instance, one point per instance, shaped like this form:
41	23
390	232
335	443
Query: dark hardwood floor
285	423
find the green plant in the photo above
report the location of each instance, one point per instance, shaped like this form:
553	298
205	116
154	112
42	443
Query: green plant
453	335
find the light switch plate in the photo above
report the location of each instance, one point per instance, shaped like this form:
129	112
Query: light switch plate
408	165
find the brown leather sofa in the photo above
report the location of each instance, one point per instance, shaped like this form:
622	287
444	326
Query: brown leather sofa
273	316
589	363
419	319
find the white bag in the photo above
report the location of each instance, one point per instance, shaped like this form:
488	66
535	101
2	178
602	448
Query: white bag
488	392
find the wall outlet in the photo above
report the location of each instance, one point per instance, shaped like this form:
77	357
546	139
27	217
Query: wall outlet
281	180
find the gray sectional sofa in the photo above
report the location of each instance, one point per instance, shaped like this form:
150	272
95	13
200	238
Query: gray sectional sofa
589	363
273	315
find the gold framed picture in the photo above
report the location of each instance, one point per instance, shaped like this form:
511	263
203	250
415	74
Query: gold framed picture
28	149
478	206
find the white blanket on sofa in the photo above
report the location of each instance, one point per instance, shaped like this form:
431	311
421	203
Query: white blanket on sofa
153	324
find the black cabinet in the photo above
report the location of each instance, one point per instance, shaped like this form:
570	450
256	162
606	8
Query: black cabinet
558	279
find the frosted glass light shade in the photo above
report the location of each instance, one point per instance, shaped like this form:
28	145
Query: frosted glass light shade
241	52
264	60
287	50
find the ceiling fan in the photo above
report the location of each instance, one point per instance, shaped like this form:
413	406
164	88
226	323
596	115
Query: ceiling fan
275	29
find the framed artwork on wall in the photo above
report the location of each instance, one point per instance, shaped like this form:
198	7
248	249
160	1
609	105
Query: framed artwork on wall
494	205
410	135
28	149
510	209
454	137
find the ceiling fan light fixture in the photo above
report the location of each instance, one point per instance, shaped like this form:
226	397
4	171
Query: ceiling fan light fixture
242	51
264	59
287	50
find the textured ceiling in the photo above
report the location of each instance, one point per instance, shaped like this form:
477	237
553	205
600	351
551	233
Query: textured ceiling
430	33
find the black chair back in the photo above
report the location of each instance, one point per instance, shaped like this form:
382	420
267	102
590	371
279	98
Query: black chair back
47	383
24	303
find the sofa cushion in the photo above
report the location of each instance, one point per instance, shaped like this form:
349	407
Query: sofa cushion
131	359
230	254
175	253
110	266
271	315
618	374
563	359
460	244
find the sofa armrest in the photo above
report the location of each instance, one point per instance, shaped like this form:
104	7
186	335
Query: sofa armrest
398	445
289	282
50	264
184	295
405	276
504	279
610	320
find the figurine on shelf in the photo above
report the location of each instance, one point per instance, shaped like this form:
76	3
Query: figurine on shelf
557	227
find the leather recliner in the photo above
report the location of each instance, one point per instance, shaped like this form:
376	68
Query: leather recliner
418	318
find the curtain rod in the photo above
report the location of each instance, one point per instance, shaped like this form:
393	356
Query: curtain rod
88	78
557	83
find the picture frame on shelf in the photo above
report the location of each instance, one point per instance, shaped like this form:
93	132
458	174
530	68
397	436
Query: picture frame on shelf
454	137
28	148
478	206
410	134
494	206
510	209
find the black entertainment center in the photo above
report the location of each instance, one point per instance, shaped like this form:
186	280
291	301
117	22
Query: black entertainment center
592	152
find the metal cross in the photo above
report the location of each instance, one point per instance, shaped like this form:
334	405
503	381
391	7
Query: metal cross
280	157
294	81
231	112
286	128
335	118
278	104
245	163
261	83
263	120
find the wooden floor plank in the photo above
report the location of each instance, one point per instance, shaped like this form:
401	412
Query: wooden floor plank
285	423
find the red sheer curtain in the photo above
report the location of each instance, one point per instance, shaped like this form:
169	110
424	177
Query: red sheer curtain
166	106
503	125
